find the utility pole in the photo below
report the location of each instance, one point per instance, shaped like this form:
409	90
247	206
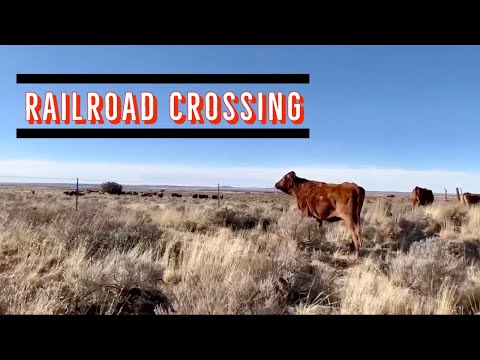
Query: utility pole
218	194
76	197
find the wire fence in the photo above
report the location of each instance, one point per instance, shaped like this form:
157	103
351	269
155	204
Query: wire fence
87	184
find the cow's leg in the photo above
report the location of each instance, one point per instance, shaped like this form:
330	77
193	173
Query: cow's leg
358	234
352	246
354	230
319	223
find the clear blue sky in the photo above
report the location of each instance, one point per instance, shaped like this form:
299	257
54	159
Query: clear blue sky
387	117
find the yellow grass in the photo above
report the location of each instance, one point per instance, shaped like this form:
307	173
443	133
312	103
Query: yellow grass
254	255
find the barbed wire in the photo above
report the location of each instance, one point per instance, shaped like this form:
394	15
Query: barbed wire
36	177
118	181
71	179
127	182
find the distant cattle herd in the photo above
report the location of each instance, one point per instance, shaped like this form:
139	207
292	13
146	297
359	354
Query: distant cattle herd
159	194
203	196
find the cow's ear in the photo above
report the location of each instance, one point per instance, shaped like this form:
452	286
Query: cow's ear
293	173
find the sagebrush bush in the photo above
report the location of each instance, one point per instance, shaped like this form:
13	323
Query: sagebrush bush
428	267
293	225
112	188
100	234
238	220
414	226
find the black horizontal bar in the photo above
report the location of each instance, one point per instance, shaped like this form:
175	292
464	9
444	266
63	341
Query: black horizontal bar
202	133
163	78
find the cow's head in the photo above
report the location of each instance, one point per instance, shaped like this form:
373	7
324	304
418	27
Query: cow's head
286	183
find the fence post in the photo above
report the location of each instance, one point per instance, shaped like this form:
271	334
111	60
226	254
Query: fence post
76	197
458	194
218	194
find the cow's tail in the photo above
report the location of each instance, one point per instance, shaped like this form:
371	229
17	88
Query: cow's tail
360	194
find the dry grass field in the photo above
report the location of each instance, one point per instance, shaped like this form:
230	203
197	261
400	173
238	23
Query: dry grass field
253	255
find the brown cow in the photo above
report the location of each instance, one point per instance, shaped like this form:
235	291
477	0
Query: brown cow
195	196
471	199
421	196
201	196
329	202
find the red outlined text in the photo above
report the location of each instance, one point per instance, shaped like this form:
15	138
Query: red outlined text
183	108
97	109
274	108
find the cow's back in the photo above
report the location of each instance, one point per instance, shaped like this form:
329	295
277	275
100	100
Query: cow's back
343	195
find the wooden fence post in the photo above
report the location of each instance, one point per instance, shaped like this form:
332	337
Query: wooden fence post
76	198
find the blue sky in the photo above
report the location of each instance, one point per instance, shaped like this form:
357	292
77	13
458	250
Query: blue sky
386	117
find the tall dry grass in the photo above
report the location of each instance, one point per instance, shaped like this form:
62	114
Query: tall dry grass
254	255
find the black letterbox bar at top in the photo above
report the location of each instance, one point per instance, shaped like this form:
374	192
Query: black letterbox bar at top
163	78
